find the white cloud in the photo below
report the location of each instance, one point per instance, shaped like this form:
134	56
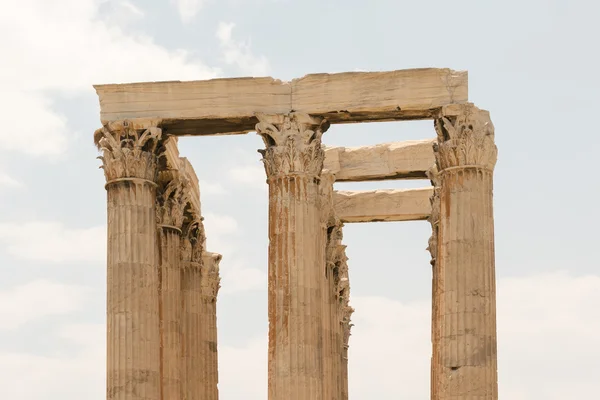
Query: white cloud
52	242
188	9
221	232
8	181
61	376
239	53
253	175
211	188
47	57
547	327
28	302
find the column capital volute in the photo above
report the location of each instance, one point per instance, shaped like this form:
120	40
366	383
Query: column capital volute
465	138
293	143
128	153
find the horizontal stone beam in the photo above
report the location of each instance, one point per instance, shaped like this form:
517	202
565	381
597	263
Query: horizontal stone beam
401	160
229	106
383	205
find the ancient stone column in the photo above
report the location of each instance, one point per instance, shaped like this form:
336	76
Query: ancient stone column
293	161
464	341
331	352
171	202
344	311
434	219
133	337
193	354
210	285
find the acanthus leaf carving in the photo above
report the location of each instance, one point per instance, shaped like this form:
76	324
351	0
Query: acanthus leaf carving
172	198
465	139
127	152
293	144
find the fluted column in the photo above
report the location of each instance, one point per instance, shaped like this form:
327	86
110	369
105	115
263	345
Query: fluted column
465	290
171	202
331	353
193	354
210	285
344	312
434	219
133	338
293	161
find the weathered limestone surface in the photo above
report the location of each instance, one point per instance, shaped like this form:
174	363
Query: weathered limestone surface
293	161
171	201
464	337
331	371
194	338
336	317
209	289
225	106
400	160
383	205
133	336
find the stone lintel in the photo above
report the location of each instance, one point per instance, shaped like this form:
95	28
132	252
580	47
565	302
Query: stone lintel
383	205
399	160
229	106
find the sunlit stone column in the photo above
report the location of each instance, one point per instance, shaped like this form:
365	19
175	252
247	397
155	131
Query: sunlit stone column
133	338
434	219
344	310
293	161
171	202
331	352
465	288
192	244
209	288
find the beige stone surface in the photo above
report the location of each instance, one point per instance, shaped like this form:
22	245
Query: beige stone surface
163	284
464	364
293	160
133	336
399	160
223	106
383	205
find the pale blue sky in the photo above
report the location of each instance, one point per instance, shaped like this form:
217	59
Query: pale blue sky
533	64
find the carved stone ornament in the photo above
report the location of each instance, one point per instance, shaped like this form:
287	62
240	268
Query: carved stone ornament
465	139
127	153
210	276
293	144
193	237
172	198
434	218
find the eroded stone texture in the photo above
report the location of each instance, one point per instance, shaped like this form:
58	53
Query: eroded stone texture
133	337
173	190
193	354
293	161
464	337
210	285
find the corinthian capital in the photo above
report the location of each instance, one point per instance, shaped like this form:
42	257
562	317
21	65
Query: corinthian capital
465	139
293	144
127	152
172	197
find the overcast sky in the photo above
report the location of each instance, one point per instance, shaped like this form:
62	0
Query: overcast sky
533	63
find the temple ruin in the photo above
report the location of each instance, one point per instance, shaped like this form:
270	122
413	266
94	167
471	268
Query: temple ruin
163	281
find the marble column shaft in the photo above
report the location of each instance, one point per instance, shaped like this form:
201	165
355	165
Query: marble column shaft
133	337
464	339
293	162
